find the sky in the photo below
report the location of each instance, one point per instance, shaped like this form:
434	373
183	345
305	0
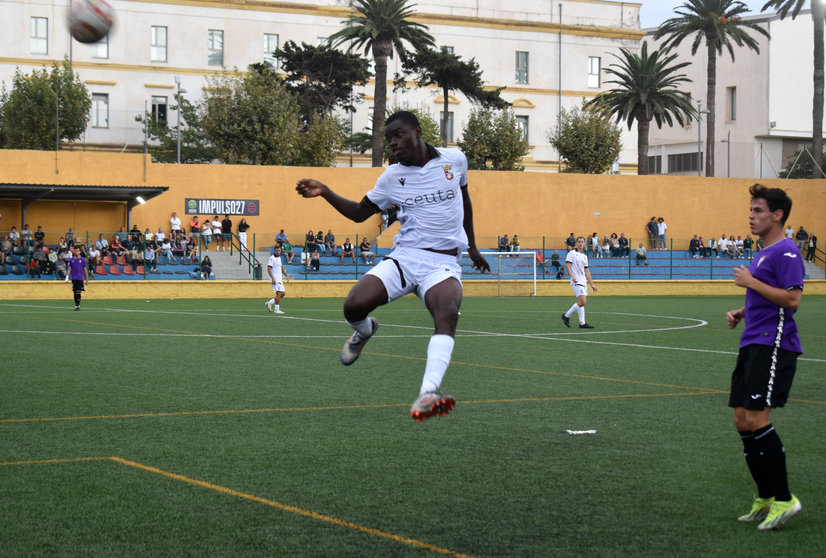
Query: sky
654	12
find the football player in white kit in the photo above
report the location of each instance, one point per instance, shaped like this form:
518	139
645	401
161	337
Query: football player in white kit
576	262
274	269
430	187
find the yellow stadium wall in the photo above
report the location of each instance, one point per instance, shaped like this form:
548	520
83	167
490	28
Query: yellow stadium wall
525	203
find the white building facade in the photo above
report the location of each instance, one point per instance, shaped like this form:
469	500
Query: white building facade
548	55
763	104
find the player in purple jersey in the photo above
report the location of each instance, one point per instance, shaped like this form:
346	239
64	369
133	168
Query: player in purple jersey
79	274
769	348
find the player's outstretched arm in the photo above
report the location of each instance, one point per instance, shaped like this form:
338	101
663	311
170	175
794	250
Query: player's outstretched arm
355	211
479	261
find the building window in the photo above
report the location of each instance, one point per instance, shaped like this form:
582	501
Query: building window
731	103
594	66
100	110
448	49
684	162
521	67
101	48
157	52
522	124
270	46
40	35
159	108
322	41
448	132
655	165
215	47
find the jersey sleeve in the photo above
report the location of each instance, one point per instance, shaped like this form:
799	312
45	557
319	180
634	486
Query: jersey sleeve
790	275
569	258
379	196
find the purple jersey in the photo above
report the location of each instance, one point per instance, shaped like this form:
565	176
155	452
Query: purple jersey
778	265
76	267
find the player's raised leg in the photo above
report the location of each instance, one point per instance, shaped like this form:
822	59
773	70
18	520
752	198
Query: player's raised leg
366	295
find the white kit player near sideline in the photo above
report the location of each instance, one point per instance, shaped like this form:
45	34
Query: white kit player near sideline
430	187
277	276
576	262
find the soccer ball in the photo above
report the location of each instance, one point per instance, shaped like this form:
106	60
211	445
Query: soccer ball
90	20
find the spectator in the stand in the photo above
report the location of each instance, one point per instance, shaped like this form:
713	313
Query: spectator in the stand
570	242
739	245
309	244
811	248
102	245
226	232
70	236
60	268
789	232
166	251
242	234
694	247
14	236
652	229
27	236
175	226
39	257
39	235
206	268
641	257
661	229
217	232
95	258
33	268
748	246
330	242
206	234
287	250
281	237
160	236
557	267
366	253
195	227
178	248
596	249
800	238
701	248
51	261
136	257
62	245
314	263
606	246
120	235
625	249
504	243
711	248
514	246
347	250
191	248
319	241
615	246
151	258
5	248
136	234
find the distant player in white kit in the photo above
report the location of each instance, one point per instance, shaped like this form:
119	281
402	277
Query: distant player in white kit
430	187
576	262
277	277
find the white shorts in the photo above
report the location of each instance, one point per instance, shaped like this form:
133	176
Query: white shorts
579	289
278	287
407	270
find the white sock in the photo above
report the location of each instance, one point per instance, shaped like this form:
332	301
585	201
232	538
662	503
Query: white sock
571	310
580	312
277	307
439	351
364	327
272	301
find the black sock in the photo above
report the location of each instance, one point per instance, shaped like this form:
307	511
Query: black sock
77	299
773	462
753	461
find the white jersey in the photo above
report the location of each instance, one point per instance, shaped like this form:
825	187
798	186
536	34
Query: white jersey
578	261
275	264
431	212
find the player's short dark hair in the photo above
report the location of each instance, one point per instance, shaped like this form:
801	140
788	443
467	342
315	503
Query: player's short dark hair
776	198
405	117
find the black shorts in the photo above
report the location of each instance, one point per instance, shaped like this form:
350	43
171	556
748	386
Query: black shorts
77	285
762	378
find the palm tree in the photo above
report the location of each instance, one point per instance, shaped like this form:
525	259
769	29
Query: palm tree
720	23
818	13
646	90
382	26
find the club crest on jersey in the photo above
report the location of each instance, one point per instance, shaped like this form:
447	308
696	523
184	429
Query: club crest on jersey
448	171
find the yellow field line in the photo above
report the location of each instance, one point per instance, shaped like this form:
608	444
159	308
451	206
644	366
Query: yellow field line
271	503
347	407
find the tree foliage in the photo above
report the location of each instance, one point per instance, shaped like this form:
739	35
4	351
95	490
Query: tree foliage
720	23
800	164
322	78
492	140
163	136
449	73
30	107
380	27
587	140
318	144
646	90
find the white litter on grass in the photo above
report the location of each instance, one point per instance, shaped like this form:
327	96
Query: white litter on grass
575	432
